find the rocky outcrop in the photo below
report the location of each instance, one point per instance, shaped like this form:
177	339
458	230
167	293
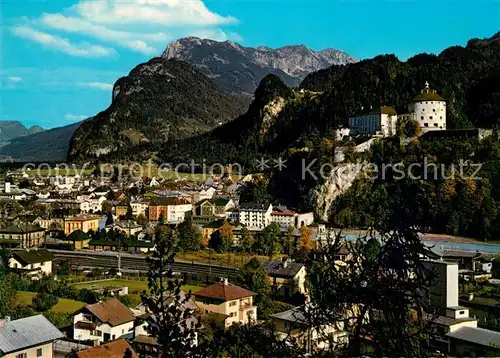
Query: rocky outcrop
240	69
338	181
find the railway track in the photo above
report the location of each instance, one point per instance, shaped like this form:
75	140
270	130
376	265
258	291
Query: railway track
131	262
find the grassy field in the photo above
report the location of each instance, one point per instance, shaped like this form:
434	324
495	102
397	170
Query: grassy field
231	259
134	287
144	170
64	305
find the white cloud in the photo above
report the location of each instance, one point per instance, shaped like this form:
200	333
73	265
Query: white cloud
98	85
142	26
59	43
131	40
14	79
161	12
75	118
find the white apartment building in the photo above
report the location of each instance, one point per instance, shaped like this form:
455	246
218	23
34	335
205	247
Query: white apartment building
284	218
379	121
139	207
103	321
254	215
444	292
91	204
34	263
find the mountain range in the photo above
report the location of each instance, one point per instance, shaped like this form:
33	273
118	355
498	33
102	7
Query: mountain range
239	69
14	129
142	111
169	109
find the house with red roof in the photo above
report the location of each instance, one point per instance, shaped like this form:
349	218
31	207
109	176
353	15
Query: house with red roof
103	321
233	302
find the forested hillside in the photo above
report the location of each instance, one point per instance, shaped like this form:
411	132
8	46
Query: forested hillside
159	101
467	77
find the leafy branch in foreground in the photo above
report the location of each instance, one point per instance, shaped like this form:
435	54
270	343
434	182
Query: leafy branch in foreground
172	320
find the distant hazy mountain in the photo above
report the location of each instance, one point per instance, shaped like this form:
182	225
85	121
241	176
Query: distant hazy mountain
14	129
47	146
240	69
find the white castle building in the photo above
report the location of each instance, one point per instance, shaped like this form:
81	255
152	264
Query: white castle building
427	108
378	121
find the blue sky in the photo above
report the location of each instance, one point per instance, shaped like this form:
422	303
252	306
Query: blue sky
60	58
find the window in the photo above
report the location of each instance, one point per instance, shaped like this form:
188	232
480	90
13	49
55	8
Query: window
430	117
422	118
39	352
434	109
435	124
232	303
22	355
462	312
426	124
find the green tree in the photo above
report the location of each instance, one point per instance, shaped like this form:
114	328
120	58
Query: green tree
161	219
246	241
190	238
171	326
253	276
44	301
289	241
382	282
258	193
142	220
267	241
106	207
217	243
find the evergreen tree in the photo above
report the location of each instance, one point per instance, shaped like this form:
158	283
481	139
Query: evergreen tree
161	219
190	239
246	241
171	325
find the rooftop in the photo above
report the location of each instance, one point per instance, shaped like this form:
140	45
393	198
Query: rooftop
20	229
82	218
481	336
113	349
254	207
431	96
111	311
283	269
216	201
27	332
225	292
168	201
26	257
450	321
141	338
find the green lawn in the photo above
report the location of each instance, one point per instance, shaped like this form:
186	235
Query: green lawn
64	305
134	287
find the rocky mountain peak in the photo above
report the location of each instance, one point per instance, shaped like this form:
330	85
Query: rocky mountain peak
240	69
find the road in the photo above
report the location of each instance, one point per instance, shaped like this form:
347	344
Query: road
134	263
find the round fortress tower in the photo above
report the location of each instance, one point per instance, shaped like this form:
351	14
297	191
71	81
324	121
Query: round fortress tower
429	109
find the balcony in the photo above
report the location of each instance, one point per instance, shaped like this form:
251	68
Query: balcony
246	306
86	325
